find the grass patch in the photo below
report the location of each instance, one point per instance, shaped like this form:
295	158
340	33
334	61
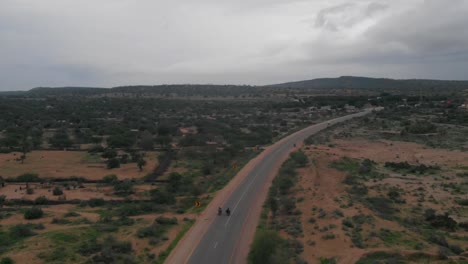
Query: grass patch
165	253
64	244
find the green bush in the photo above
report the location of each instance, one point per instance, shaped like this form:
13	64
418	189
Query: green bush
28	177
110	179
300	158
347	222
6	260
166	221
89	247
57	191
162	197
41	200
463	202
94	202
33	213
266	247
123	188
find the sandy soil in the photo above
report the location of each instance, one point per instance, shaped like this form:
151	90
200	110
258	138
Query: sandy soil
396	151
322	187
90	191
69	163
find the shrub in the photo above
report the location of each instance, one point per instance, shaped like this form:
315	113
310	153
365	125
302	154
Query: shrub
96	202
162	197
21	231
33	213
6	260
41	200
381	205
57	191
110	251
265	245
300	158
109	179
154	231
329	236
327	260
443	221
28	177
338	213
166	221
348	223
89	247
463	202
123	188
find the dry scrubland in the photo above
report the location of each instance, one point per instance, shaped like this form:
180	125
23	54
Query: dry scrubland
73	209
364	198
63	164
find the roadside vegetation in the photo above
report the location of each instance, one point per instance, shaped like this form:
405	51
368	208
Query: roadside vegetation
280	214
389	187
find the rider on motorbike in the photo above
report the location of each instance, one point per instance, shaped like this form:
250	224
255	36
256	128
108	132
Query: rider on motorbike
228	212
220	211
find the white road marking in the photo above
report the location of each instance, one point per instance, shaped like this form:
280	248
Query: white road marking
215	245
245	191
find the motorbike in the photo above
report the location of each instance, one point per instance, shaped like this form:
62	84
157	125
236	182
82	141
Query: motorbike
228	212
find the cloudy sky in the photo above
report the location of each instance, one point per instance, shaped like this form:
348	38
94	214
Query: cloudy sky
118	42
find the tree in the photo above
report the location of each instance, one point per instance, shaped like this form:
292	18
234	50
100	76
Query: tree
2	200
61	139
146	140
141	163
175	180
109	153
25	148
164	141
121	140
113	163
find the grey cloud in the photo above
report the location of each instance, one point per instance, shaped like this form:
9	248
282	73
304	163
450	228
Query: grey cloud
323	18
347	15
108	42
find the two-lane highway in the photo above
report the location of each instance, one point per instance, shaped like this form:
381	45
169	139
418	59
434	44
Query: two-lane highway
226	239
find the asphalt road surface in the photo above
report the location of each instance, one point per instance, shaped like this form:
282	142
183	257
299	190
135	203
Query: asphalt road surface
221	241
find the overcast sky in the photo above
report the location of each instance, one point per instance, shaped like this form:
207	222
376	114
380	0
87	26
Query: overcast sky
118	42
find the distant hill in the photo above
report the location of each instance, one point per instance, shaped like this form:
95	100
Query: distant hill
323	85
351	82
67	90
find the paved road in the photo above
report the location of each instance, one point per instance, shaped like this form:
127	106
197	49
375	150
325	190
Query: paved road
223	241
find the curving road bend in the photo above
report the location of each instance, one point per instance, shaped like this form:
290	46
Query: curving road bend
226	239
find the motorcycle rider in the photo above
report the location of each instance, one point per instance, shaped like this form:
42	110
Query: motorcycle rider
220	210
228	212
